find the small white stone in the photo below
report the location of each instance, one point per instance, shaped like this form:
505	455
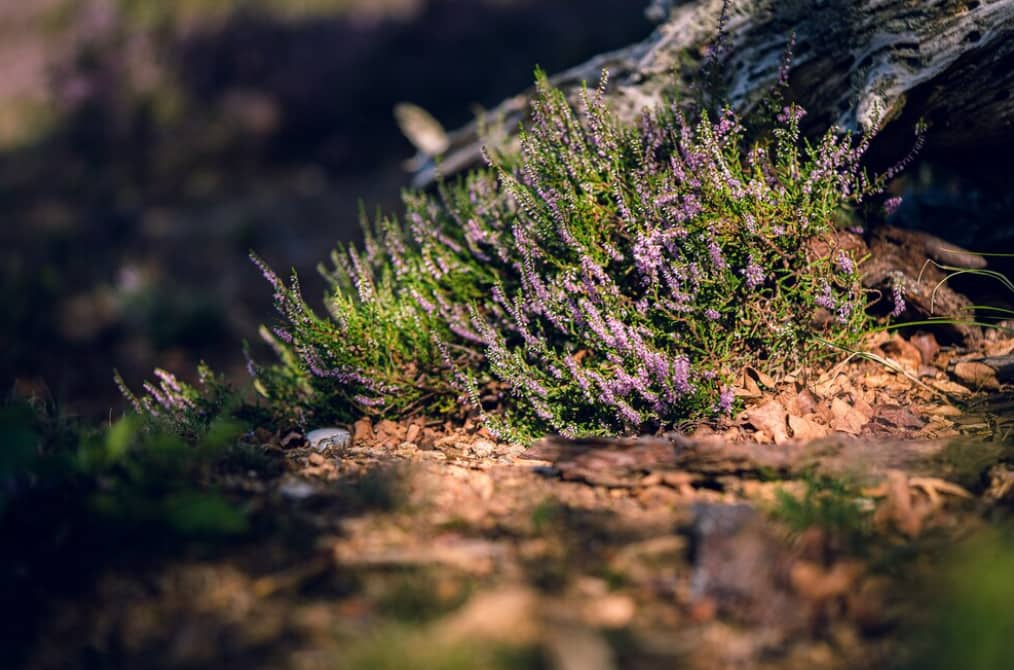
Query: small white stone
297	489
322	438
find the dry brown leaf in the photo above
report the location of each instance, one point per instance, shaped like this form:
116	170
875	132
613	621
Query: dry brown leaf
770	418
747	388
940	410
805	429
999	347
864	408
977	375
903	353
803	403
933	487
390	430
1001	484
847	418
899	417
814	582
947	386
879	380
938	428
907	512
927	345
899	508
762	378
875	339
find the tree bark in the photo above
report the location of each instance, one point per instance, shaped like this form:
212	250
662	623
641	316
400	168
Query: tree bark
855	61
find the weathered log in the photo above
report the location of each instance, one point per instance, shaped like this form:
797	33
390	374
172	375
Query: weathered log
623	462
856	63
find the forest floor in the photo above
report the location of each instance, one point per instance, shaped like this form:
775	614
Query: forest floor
852	517
837	522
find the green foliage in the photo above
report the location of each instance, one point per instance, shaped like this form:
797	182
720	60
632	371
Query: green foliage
971	622
18	439
613	278
175	407
124	478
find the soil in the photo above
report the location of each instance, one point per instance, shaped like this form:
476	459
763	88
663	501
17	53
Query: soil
416	544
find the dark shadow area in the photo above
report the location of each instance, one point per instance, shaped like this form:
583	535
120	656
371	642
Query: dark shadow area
174	147
140	558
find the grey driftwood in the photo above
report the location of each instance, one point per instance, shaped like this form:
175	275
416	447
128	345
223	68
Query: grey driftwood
855	61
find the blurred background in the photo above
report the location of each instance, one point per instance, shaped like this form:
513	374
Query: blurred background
147	146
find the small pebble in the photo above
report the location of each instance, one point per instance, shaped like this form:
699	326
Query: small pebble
297	489
483	448
322	438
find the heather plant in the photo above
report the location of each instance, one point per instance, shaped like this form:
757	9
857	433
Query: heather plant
174	407
611	278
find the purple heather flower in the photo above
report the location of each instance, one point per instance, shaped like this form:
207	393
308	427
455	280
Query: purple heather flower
844	263
647	256
282	334
681	375
712	314
891	205
826	298
251	367
791	113
168	380
898	296
273	279
715	253
725	401
425	304
754	273
783	69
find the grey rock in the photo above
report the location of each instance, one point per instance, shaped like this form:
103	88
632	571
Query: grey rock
322	438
